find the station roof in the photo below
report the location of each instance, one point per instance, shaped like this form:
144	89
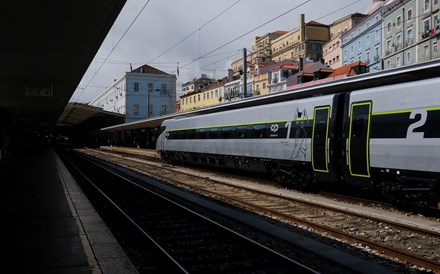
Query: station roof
47	47
76	114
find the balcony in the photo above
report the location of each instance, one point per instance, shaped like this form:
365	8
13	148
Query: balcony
409	42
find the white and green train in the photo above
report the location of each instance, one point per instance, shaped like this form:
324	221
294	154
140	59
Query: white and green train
379	134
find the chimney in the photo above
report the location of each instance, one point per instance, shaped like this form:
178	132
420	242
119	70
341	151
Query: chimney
302	27
301	63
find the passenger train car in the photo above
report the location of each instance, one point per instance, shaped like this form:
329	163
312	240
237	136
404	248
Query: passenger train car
382	134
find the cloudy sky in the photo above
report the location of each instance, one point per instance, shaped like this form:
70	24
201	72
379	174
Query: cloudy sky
202	36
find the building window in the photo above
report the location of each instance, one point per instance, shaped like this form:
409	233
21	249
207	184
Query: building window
368	39
435	46
136	86
163	90
426	25
398	61
427	5
389	27
409	57
198	97
163	109
399	21
359	45
409	15
136	109
150	87
436	22
398	41
377	36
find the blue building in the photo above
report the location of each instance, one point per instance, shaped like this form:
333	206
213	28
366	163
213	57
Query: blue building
364	41
142	93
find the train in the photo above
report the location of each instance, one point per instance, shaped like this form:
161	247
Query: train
380	131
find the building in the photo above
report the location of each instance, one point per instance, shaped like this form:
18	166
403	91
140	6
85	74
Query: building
234	87
306	42
260	54
141	93
364	42
411	33
278	75
209	95
429	24
306	75
317	73
332	49
192	97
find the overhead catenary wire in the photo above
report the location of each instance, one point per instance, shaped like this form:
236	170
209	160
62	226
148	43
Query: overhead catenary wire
195	31
114	47
209	54
254	29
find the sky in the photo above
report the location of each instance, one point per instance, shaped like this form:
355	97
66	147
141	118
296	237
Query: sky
198	36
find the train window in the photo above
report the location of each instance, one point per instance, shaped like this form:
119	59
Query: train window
258	131
241	132
172	135
191	134
357	127
226	132
213	133
321	129
201	133
181	134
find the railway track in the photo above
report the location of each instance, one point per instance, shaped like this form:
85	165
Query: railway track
168	236
387	236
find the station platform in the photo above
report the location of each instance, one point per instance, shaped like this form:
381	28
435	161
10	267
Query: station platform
48	225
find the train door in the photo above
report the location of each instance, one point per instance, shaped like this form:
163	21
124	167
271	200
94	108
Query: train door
320	135
358	139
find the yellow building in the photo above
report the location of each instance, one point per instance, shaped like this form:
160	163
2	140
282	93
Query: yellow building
212	94
261	82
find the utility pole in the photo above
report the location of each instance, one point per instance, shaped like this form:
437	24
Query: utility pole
244	73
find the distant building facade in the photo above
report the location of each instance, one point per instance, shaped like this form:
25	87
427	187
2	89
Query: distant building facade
332	49
141	93
192	97
306	42
209	95
364	42
411	33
